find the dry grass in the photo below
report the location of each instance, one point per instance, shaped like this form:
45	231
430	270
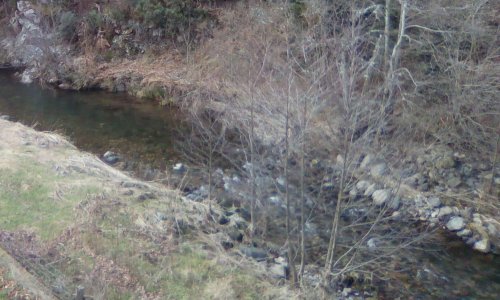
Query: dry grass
72	220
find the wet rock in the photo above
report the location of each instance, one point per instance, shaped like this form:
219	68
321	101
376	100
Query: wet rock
64	86
110	158
455	224
253	252
380	197
4	117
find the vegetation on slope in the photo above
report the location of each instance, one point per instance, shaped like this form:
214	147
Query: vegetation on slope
71	220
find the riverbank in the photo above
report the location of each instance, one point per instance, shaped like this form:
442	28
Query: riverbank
70	220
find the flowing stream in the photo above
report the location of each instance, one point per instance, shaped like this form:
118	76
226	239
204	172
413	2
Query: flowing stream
98	121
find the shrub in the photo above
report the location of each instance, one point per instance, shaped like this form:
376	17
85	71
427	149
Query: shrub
67	26
173	16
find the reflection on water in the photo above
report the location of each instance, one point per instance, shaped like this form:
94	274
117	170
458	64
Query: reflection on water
95	121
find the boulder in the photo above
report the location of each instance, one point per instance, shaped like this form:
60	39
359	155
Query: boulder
179	168
433	202
279	268
254	252
367	160
110	157
379	170
369	191
380	197
362	185
455	224
444	211
445	161
483	246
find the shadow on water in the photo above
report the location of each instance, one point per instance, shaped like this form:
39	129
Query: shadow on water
96	121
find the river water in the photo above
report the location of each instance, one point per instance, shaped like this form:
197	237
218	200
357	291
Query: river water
98	121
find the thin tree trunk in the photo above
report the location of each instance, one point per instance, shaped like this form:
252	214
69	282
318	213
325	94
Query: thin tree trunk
252	167
387	32
302	196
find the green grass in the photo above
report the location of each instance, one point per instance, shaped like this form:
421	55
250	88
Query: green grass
30	199
33	197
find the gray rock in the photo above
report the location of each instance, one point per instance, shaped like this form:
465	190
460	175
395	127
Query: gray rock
340	159
253	252
379	169
280	181
444	211
235	235
380	197
454	182
434	202
464	233
327	186
179	168
362	185
367	160
445	162
395	203
455	224
146	196
110	157
414	180
369	191
371	243
353	193
483	246
279	268
4	117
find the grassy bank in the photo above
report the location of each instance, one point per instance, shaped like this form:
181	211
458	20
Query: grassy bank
71	220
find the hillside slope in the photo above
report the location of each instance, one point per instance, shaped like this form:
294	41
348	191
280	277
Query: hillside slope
71	220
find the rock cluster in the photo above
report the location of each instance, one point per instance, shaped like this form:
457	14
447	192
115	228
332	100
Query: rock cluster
439	170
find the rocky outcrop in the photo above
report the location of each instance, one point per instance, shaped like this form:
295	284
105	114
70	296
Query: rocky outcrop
31	47
27	48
